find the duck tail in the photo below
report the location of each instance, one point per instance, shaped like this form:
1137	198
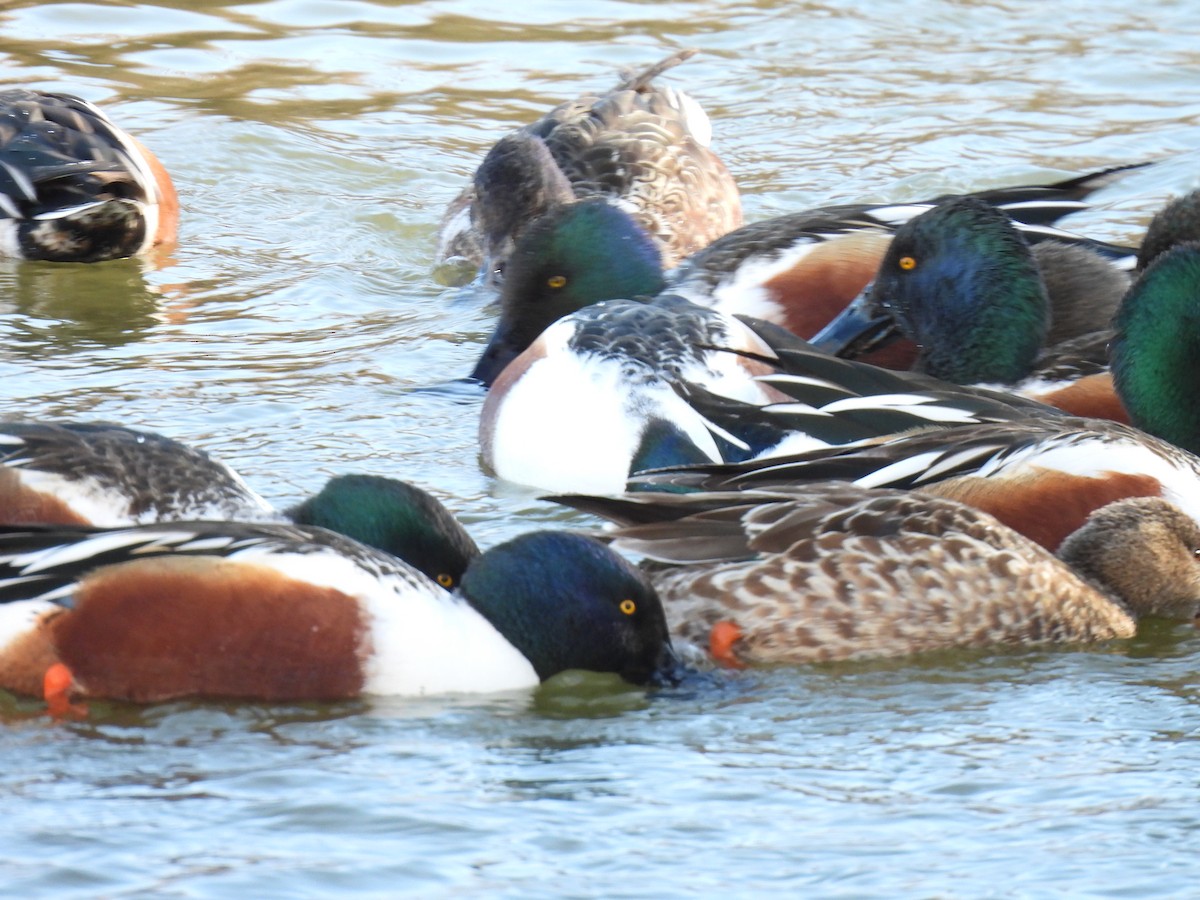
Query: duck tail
639	79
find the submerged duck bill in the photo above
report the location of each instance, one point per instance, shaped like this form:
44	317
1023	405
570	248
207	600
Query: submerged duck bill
858	329
668	670
499	352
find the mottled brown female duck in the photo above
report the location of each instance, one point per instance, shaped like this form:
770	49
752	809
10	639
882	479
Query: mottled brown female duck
640	146
831	571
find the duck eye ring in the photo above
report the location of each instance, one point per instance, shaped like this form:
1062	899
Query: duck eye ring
907	263
445	580
556	281
628	607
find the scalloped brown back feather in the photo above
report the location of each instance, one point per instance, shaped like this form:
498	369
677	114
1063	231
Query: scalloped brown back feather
839	573
634	144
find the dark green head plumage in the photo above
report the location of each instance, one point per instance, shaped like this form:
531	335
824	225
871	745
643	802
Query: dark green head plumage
572	257
395	517
960	281
1156	350
569	602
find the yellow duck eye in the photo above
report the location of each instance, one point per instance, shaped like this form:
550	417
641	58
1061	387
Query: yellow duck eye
446	581
556	281
907	263
628	607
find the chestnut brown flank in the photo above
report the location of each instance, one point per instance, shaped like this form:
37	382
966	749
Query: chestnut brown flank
1049	506
1092	396
168	201
20	505
160	628
824	282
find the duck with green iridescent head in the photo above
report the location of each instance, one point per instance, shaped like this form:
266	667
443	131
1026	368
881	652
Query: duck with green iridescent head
596	393
105	475
796	271
961	282
275	613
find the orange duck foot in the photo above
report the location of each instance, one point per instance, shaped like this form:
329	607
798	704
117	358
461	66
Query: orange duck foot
721	639
56	688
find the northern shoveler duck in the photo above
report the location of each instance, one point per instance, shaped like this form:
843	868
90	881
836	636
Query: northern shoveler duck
1041	475
275	612
74	187
962	283
621	387
800	270
825	572
640	146
589	251
93	473
593	397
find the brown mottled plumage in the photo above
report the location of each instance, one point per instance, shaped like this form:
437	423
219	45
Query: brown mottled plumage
639	146
831	571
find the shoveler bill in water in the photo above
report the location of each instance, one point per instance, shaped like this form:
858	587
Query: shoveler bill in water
275	612
830	571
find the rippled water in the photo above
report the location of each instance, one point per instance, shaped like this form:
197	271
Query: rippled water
297	327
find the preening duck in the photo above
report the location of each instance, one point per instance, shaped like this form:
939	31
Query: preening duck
75	187
641	146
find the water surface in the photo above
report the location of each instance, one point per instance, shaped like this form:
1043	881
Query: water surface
295	332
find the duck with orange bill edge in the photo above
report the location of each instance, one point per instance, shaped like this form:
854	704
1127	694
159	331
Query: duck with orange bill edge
283	613
829	571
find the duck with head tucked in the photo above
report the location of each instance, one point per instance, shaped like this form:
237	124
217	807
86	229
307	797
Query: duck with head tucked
99	474
831	571
74	187
642	147
583	393
275	612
